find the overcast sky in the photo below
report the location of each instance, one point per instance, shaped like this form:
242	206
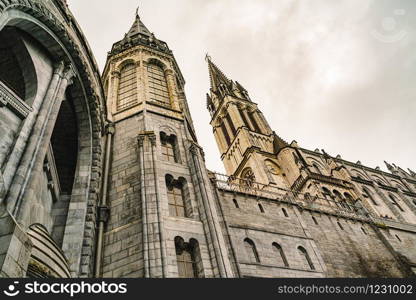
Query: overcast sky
334	75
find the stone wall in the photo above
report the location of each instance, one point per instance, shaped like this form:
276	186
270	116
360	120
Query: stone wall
338	247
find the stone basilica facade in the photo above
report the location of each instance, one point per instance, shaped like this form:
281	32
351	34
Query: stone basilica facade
103	176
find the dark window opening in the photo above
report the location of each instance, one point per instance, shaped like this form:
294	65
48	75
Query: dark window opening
305	255
176	200
225	133
187	258
169	147
281	254
231	124
236	203
251	250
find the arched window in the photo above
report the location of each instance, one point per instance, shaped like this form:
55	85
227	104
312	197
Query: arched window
187	258
158	86
280	255
231	124
127	90
251	250
169	147
395	202
315	221
349	201
326	193
349	198
225	133
236	203
254	122
176	199
304	254
316	168
367	194
285	213
261	208
243	117
11	74
337	195
339	199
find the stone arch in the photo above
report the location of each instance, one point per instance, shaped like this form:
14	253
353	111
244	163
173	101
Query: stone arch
399	185
379	179
168	130
359	174
316	163
157	62
14	55
87	95
124	63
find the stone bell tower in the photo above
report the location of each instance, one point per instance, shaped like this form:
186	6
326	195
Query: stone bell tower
159	218
245	140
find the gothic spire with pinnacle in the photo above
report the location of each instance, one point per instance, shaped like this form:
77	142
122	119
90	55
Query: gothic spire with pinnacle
217	77
138	27
220	83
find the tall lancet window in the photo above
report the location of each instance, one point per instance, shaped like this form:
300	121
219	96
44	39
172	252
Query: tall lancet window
158	86
127	91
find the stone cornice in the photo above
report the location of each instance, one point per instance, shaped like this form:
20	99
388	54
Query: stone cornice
9	99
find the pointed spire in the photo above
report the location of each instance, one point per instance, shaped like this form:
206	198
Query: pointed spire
216	76
138	27
278	142
390	167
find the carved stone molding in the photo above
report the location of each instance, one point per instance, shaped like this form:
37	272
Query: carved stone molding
11	100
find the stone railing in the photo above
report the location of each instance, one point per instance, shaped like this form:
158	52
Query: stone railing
303	201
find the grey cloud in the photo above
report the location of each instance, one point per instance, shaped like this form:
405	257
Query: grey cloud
315	67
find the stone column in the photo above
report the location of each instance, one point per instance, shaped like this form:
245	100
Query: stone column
170	79
235	115
140	140
23	207
261	121
116	85
160	223
250	125
214	231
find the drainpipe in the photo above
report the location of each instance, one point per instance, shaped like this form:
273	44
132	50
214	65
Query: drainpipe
103	210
